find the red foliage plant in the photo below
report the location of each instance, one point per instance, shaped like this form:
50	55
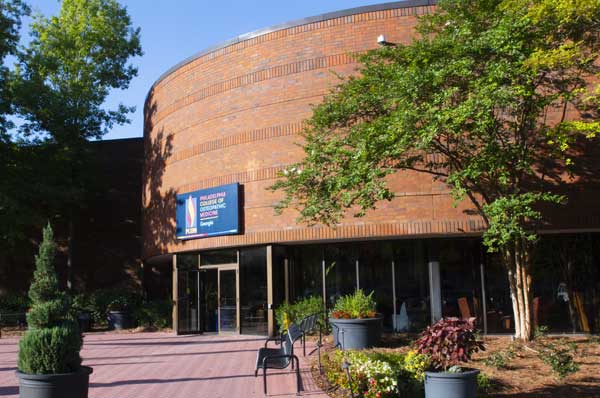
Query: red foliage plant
449	342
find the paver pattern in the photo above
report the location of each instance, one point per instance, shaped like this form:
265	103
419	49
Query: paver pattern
168	366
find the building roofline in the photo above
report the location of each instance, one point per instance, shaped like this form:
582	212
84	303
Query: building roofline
292	24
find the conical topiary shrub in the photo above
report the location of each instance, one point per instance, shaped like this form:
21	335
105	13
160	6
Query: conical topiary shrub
52	343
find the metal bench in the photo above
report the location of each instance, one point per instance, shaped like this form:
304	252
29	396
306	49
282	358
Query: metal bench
309	325
280	358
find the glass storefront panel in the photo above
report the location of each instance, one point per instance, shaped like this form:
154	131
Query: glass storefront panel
413	308
566	287
460	278
375	276
281	271
227	300
253	290
340	271
306	277
209	287
217	257
188	299
497	296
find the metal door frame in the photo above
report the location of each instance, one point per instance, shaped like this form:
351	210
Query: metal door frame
227	267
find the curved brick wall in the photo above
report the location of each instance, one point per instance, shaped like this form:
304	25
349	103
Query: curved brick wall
233	113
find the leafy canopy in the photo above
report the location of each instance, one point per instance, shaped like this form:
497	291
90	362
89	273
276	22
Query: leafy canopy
58	88
69	68
11	155
479	100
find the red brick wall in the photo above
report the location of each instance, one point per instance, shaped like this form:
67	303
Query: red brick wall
234	114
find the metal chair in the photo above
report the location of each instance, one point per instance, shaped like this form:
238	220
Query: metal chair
280	358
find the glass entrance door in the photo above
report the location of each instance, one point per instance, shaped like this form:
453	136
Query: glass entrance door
209	303
188	307
228	300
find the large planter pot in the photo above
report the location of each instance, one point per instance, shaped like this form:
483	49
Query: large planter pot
119	320
356	334
63	385
84	320
451	385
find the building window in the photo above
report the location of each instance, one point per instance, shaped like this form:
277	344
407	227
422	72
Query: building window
253	290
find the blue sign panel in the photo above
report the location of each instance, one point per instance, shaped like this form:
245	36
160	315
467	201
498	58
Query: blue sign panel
208	212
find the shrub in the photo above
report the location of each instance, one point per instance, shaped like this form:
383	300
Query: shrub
287	313
13	307
500	359
154	314
540	331
53	341
449	342
103	300
559	358
120	303
50	350
14	303
483	382
354	306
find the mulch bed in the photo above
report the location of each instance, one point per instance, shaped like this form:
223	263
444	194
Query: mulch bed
525	377
528	377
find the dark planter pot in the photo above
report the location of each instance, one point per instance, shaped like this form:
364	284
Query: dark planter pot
451	385
84	319
411	394
356	334
119	320
63	385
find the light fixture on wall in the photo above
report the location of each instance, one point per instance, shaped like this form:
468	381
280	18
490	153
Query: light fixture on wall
383	42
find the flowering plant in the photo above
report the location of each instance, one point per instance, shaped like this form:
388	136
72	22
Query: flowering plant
416	364
381	379
371	378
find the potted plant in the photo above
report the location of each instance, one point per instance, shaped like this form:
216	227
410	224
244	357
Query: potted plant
118	314
449	343
354	321
49	362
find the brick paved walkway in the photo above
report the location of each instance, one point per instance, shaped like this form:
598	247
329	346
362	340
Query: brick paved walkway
166	366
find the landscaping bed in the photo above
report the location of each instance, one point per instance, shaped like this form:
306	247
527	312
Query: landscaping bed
510	370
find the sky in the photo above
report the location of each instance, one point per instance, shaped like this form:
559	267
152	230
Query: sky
173	30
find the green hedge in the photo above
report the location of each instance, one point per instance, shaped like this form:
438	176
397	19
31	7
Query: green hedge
299	310
14	303
146	313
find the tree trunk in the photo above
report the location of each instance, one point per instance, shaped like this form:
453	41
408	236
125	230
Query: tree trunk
510	269
517	260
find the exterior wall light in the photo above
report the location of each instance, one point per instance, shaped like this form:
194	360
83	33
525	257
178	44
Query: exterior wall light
382	42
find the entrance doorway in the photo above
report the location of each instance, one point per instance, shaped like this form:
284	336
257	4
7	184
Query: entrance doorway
188	302
228	300
208	300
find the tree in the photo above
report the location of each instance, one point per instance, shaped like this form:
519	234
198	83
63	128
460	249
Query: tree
63	78
479	100
53	341
11	12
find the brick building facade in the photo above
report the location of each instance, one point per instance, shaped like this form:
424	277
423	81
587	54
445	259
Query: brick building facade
233	114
